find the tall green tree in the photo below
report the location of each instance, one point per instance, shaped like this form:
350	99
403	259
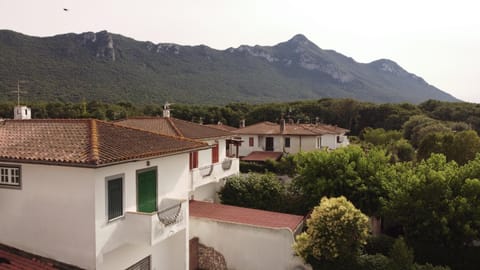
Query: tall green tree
348	172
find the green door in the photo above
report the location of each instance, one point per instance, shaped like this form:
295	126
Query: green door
147	191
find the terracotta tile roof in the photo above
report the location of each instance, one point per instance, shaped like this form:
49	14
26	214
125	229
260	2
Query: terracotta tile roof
83	142
15	259
241	215
175	127
269	128
262	156
222	127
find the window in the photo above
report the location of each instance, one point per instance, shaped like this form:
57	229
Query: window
250	141
287	142
339	139
115	197
319	142
193	160
215	153
10	176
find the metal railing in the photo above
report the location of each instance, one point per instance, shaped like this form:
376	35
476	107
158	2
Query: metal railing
206	170
227	164
170	212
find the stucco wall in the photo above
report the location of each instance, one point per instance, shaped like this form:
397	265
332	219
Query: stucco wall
52	215
173	180
247	247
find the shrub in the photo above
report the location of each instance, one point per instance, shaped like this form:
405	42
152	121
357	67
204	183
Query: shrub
381	244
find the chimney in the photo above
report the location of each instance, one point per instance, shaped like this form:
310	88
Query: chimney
166	110
282	125
317	120
242	123
22	113
200	121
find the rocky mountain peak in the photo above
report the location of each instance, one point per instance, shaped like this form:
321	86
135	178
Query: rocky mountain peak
101	43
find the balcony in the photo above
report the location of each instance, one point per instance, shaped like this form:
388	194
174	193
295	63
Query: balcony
151	228
214	172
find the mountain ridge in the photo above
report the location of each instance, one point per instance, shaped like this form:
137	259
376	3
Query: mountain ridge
110	67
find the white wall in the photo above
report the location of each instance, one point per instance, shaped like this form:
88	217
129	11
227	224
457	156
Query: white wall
205	156
207	192
173	181
259	144
246	247
171	254
52	215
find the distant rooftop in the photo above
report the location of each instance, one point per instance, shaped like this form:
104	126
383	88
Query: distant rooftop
222	127
174	127
262	156
269	128
83	142
247	216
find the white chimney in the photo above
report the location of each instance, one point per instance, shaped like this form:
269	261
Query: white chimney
22	113
242	123
166	110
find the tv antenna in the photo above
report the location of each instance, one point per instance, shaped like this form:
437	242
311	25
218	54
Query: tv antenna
18	91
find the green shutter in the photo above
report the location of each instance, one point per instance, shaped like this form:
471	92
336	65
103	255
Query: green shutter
147	191
115	198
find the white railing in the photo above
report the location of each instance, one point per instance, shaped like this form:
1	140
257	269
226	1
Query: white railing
215	172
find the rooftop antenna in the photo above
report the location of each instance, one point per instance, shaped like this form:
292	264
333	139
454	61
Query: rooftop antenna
18	91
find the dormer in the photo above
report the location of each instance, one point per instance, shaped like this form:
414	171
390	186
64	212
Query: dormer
22	113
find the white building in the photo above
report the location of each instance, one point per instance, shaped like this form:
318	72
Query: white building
208	167
95	195
289	137
22	113
249	239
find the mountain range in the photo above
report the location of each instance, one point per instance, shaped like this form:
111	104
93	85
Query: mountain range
112	68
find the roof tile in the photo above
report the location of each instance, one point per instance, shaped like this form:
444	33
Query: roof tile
84	142
247	216
174	126
269	128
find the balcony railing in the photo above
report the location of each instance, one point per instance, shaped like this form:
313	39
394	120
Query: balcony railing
214	172
206	170
227	164
170	212
154	227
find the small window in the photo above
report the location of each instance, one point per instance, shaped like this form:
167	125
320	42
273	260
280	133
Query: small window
339	139
250	141
319	142
10	176
193	160
215	157
115	197
287	142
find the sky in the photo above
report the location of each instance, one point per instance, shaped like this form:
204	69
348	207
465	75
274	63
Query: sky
436	40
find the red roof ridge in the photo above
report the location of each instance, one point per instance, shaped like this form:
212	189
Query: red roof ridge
204	126
94	152
170	122
157	133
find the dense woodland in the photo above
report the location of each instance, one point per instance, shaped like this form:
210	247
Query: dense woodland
348	113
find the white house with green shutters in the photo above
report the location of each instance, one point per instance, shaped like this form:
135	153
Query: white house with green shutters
95	195
209	167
